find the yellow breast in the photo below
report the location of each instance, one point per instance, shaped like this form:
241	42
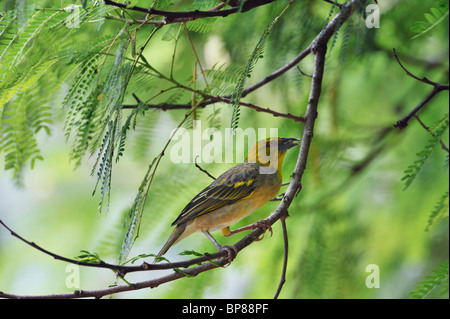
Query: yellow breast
268	187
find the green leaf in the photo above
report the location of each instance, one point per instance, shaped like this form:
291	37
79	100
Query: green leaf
141	256
113	94
22	40
430	18
435	17
254	57
88	257
439	277
131	3
441	211
178	270
425	154
19	122
190	253
134	216
196	254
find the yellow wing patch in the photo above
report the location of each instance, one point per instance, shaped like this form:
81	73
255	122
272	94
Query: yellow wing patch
235	184
248	183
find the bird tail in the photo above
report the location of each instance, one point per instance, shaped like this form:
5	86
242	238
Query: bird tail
173	238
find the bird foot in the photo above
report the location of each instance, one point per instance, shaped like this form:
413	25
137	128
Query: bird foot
231	253
265	225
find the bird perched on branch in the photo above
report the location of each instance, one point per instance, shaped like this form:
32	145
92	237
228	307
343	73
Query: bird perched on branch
234	195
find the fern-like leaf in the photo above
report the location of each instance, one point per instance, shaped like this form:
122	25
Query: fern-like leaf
237	93
18	79
104	162
89	120
14	50
438	277
423	156
114	91
79	92
336	34
434	17
254	57
88	257
348	31
130	123
134	216
223	79
202	25
19	123
8	32
440	211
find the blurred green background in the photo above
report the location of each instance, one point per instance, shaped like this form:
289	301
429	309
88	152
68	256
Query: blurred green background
352	211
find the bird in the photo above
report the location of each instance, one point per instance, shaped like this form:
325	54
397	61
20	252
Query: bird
234	195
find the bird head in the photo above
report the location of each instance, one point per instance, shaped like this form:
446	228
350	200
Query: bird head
270	152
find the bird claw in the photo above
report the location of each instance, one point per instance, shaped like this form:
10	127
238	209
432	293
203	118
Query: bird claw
265	225
231	253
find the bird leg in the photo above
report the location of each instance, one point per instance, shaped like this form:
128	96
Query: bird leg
264	224
231	251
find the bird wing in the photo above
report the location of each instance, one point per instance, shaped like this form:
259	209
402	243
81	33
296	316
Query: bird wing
237	183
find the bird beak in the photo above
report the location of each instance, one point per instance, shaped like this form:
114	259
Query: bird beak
287	143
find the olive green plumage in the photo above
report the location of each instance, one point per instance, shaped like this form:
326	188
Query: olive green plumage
235	194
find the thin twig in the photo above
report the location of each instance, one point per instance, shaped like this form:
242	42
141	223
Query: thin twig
278	72
402	123
303	73
285	257
207	99
334	3
215	99
437	87
444	147
196	14
203	170
196	55
423	79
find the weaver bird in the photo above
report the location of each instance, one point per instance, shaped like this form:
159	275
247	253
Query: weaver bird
234	195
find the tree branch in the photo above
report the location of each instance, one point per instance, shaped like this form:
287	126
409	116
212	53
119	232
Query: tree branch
98	293
437	87
285	258
191	15
278	72
329	30
216	99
